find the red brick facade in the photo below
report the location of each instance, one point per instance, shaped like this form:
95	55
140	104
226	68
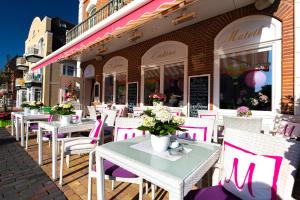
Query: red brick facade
200	40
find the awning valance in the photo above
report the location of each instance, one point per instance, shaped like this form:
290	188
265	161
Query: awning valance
110	27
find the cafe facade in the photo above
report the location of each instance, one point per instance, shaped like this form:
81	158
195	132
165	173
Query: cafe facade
203	55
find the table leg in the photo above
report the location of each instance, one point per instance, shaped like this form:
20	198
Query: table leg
22	131
100	177
54	155
17	128
12	125
40	144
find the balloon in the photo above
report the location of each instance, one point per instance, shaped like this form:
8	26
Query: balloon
256	79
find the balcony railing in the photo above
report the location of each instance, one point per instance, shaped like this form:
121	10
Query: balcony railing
33	54
30	77
20	82
104	12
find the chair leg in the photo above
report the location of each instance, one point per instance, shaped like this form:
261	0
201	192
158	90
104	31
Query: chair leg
147	187
68	160
152	191
89	186
141	190
61	165
27	133
112	185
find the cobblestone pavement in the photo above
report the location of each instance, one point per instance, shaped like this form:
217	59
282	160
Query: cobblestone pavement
20	176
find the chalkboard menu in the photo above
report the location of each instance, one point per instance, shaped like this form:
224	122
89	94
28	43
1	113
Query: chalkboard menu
132	96
198	94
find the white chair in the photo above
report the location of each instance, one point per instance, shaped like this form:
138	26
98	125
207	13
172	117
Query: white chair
109	124
137	111
92	112
125	128
80	145
212	114
197	129
288	129
249	124
264	168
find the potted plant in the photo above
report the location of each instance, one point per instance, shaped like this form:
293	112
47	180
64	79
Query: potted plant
244	111
65	111
161	124
157	98
35	106
26	107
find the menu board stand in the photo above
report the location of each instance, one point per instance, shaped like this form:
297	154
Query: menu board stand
199	94
132	94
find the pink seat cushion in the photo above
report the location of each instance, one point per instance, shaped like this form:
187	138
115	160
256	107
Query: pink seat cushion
59	135
211	193
114	170
34	126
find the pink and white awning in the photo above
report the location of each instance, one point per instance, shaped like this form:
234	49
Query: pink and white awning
144	11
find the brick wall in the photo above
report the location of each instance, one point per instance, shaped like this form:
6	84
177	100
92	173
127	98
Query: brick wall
99	4
200	40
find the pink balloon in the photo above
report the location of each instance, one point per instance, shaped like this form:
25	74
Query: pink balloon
256	79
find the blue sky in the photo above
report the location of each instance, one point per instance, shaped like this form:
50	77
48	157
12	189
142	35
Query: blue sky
16	18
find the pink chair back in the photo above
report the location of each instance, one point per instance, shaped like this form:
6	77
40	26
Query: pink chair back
96	132
289	129
197	129
127	133
121	111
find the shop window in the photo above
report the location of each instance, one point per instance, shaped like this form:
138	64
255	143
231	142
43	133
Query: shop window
151	83
37	95
246	80
109	88
173	84
121	88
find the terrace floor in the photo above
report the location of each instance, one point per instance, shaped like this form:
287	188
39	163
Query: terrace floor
22	178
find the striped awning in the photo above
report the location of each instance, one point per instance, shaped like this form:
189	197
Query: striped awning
131	21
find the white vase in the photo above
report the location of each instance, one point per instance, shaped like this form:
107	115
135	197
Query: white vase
34	111
65	119
26	110
160	143
158	103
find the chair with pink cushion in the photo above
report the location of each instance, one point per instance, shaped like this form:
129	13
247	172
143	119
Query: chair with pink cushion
253	166
125	128
197	129
81	145
288	128
212	114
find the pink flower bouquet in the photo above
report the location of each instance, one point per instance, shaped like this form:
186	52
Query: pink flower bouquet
243	111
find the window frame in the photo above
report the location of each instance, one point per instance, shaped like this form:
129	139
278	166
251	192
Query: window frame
161	66
114	75
275	47
68	66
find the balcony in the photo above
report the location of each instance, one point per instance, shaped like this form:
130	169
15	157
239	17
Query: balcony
103	13
33	55
20	83
33	80
21	64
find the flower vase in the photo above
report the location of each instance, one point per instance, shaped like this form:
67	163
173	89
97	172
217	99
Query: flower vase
65	119
155	103
160	143
34	111
26	110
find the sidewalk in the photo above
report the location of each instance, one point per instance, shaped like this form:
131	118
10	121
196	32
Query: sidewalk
20	176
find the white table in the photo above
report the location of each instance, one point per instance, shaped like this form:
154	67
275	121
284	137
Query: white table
21	118
177	177
55	127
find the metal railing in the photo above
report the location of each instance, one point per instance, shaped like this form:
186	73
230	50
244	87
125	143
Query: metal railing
108	9
31	77
32	51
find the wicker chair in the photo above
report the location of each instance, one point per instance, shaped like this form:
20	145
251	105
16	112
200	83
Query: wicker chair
112	171
80	145
261	145
211	114
92	112
109	125
243	123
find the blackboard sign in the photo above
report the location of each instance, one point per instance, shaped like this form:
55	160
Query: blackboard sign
132	96
199	87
